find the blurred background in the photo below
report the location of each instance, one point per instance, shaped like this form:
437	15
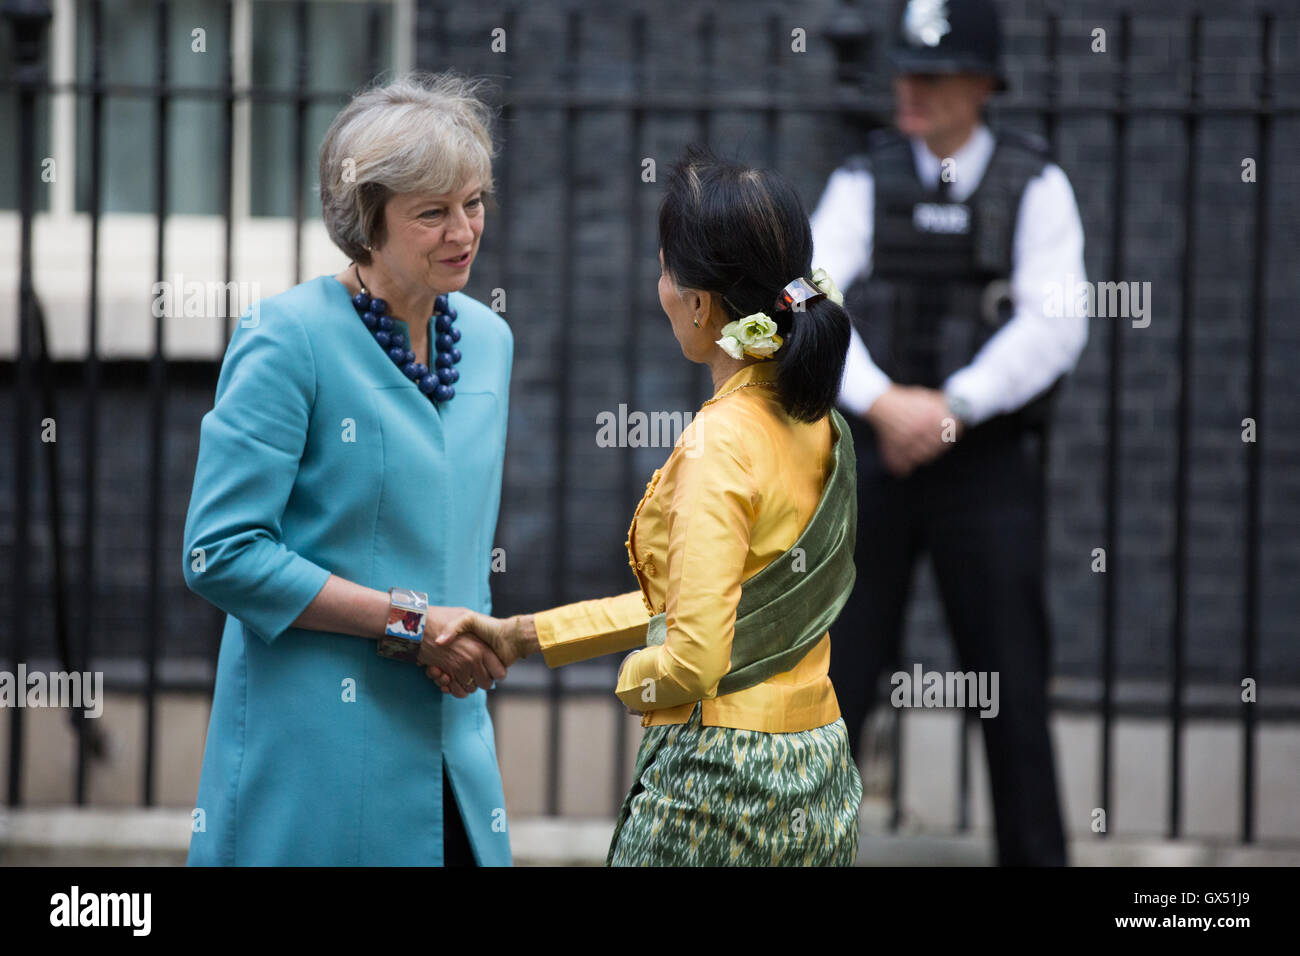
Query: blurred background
145	140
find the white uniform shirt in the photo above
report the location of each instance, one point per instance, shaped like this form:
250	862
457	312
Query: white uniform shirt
1032	349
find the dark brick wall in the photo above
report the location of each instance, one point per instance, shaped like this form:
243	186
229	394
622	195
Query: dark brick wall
622	351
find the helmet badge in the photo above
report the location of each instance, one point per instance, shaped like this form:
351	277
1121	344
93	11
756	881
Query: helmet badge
925	22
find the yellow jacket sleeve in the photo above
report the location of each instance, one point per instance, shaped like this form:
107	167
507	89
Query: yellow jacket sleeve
710	515
576	632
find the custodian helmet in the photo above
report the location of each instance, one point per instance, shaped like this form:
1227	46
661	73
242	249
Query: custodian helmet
949	36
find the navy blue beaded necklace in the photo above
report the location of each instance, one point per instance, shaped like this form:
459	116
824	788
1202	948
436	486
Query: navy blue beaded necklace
438	384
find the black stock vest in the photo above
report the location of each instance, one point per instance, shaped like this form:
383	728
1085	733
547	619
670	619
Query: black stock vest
940	280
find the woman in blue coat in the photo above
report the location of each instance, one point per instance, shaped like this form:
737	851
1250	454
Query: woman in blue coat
355	446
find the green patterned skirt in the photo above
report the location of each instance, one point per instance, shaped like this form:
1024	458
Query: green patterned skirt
716	796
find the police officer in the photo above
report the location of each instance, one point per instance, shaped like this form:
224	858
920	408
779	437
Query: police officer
950	238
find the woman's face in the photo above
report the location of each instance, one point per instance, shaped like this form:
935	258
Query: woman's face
431	240
683	309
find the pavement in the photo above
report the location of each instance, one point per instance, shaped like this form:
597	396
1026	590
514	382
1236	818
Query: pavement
71	836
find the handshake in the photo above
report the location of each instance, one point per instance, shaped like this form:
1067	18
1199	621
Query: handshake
463	650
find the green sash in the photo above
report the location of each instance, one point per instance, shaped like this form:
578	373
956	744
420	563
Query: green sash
784	610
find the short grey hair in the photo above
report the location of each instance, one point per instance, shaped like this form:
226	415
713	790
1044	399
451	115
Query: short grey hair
422	132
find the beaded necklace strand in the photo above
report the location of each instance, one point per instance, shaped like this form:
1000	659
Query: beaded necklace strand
437	384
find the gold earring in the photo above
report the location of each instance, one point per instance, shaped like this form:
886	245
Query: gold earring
697	323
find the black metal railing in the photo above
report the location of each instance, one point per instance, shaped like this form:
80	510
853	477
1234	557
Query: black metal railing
850	102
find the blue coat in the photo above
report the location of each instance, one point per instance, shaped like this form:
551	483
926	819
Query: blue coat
320	456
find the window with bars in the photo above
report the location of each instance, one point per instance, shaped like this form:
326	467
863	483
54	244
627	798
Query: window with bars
338	45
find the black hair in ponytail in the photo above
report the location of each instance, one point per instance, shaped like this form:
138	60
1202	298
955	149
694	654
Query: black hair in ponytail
743	233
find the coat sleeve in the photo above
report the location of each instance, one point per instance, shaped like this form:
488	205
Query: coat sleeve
586	629
250	445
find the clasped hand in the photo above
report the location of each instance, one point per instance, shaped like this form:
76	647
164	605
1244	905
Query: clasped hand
505	641
461	649
462	664
911	427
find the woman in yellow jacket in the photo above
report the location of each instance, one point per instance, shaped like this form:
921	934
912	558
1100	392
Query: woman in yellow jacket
742	546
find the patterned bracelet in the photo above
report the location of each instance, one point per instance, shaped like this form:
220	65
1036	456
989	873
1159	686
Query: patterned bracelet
404	634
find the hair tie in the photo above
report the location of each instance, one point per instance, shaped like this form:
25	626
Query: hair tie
755	334
797	294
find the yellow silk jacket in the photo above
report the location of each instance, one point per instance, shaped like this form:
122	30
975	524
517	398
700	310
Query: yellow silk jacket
735	493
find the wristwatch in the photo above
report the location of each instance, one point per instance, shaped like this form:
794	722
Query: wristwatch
404	634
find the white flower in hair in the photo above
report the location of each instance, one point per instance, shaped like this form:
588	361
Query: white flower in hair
822	280
731	345
752	334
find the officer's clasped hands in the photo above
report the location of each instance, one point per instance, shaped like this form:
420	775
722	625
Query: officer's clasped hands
911	424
